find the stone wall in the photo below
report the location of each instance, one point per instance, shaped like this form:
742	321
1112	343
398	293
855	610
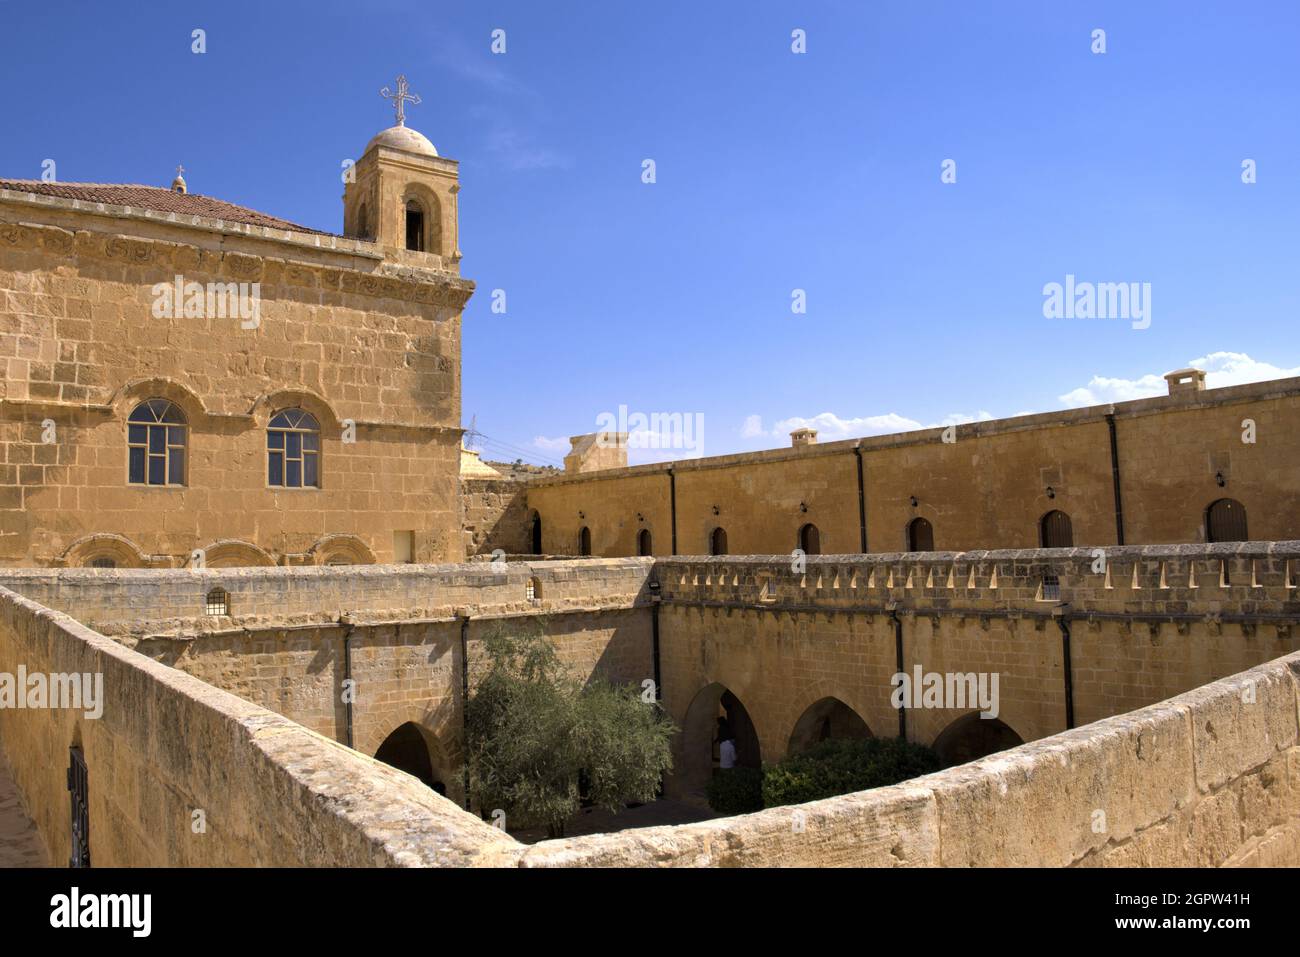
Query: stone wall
271	792
1211	776
283	647
495	515
982	485
1208	778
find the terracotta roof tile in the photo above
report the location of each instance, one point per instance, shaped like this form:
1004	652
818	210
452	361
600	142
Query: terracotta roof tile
157	198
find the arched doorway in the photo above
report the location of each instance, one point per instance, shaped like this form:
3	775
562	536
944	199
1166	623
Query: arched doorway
407	749
920	536
1225	521
718	542
1055	530
584	541
714	709
810	540
643	542
971	737
825	719
537	534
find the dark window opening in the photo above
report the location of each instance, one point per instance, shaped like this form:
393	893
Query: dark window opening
1225	521
414	227
718	542
643	542
810	539
920	536
1055	530
584	541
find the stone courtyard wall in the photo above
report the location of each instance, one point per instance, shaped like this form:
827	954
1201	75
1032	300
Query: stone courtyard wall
988	487
272	793
1209	777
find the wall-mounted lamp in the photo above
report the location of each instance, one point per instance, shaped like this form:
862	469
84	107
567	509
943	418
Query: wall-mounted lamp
1051	492
803	506
913	501
582	514
1220	480
640	517
716	510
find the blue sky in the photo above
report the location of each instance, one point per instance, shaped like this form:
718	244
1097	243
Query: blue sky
775	171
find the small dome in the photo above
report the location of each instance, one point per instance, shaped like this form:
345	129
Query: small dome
403	138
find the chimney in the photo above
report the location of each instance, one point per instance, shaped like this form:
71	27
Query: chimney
1186	381
803	437
596	451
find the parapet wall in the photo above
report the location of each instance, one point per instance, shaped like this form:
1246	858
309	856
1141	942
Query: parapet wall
270	792
141	601
1208	778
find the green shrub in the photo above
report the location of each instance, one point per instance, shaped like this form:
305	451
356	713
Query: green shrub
736	791
842	766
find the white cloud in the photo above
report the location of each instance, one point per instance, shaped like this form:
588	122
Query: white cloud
831	428
1221	369
551	445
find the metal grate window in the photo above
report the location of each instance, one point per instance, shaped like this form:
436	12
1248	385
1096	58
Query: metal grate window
1051	588
217	602
79	787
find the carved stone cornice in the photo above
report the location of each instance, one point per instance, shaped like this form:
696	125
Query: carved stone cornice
374	277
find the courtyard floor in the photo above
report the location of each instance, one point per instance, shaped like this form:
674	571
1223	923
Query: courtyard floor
20	844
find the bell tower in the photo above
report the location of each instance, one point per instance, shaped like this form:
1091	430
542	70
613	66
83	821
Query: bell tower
403	196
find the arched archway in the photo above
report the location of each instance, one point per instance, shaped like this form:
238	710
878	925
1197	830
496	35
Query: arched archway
584	541
920	535
644	543
537	534
810	540
409	749
971	737
824	719
718	541
714	709
1055	530
1225	521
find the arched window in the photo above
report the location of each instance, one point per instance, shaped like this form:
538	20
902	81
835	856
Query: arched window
293	450
363	222
920	536
643	542
810	540
537	534
584	541
1055	530
414	226
102	563
156	444
718	542
1225	521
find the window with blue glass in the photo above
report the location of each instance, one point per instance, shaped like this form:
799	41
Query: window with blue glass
293	450
156	444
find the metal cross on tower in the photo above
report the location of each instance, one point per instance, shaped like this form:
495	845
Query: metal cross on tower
400	98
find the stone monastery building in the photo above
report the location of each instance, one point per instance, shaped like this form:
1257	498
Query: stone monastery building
144	417
193	389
